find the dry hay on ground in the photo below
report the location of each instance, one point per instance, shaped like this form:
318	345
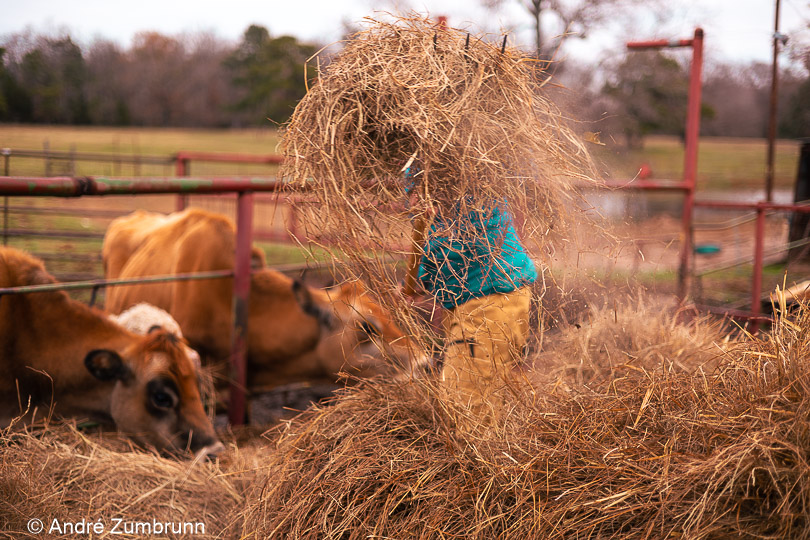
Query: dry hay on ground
60	473
652	453
642	336
656	449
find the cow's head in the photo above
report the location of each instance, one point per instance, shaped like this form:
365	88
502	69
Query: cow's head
156	397
358	335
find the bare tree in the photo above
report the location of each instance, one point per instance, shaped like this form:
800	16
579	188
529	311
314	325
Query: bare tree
207	86
155	77
572	17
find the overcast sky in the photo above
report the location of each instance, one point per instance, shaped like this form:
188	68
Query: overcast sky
737	30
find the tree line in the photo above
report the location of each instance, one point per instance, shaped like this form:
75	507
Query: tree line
200	80
643	93
195	80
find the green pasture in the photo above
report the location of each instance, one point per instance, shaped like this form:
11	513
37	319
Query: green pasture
125	143
723	163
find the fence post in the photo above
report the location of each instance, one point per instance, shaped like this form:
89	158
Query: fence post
756	286
691	145
800	222
690	159
46	147
181	169
241	296
6	157
72	160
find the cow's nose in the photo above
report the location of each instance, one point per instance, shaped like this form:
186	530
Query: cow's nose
199	441
210	451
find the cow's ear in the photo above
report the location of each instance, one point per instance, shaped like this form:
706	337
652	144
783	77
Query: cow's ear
106	365
257	259
309	306
40	277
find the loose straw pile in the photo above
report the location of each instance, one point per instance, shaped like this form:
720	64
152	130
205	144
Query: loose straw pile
653	451
61	475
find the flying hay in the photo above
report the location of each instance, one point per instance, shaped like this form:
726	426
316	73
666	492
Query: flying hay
469	117
470	112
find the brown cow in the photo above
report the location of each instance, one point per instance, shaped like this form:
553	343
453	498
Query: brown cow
294	332
59	353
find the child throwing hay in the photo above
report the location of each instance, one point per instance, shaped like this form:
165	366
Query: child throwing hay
469	121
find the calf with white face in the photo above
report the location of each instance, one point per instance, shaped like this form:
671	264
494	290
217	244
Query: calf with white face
155	396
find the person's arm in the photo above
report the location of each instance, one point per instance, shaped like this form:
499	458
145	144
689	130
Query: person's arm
420	225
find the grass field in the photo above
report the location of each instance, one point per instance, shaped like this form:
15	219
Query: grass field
722	163
129	142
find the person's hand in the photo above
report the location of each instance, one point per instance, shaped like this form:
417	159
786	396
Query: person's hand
423	306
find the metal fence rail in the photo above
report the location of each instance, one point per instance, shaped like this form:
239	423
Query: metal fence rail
183	185
68	186
96	284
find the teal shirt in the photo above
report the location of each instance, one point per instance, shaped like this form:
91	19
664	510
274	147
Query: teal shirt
474	256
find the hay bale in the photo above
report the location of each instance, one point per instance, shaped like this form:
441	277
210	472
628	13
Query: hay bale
646	453
653	454
639	335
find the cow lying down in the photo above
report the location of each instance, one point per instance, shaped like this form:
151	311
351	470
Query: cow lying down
61	355
295	333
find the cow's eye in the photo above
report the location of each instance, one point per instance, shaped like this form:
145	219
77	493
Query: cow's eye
162	394
162	400
369	329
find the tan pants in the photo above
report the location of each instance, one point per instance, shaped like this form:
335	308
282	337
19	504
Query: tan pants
484	340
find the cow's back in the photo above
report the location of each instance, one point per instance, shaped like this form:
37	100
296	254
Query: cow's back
124	236
19	313
17	269
291	335
187	242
